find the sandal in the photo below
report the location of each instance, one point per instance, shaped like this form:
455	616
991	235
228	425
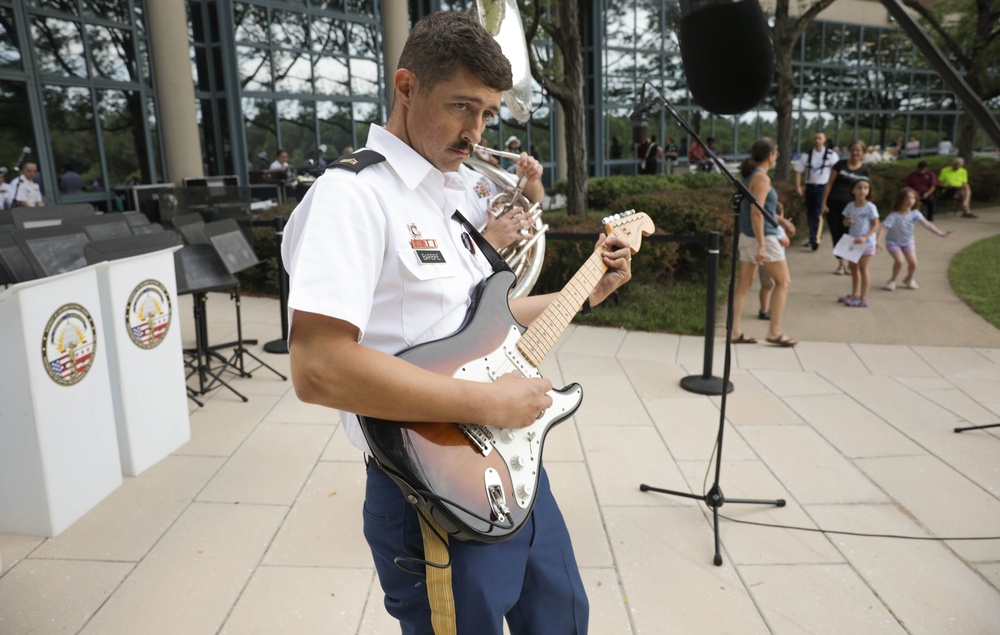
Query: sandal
743	339
782	341
763	315
969	215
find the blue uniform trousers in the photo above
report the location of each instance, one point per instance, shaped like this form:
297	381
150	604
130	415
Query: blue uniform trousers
532	578
814	208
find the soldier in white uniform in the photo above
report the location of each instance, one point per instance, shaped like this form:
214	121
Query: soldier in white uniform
378	263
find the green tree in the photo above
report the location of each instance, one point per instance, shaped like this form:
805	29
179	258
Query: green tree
969	32
786	34
562	76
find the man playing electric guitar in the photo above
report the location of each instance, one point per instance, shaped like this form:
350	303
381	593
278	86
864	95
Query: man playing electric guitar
379	264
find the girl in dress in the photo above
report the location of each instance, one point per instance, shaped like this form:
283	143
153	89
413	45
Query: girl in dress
861	219
898	232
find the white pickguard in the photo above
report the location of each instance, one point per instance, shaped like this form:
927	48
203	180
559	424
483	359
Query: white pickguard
520	448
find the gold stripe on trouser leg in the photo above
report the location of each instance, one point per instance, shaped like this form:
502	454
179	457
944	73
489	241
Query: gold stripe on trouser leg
439	591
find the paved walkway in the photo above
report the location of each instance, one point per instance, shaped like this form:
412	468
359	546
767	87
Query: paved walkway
254	525
931	315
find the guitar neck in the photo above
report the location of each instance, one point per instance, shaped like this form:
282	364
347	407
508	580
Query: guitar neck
542	334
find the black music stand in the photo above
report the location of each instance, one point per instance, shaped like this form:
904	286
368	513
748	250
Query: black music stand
199	270
53	250
49	216
13	263
102	226
128	246
148	228
237	255
6	221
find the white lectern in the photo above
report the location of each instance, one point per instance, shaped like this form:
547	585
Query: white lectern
145	357
58	446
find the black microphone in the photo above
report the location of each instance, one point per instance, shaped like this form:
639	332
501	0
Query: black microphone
639	117
727	54
25	151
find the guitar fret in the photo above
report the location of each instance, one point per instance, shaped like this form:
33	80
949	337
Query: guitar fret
539	338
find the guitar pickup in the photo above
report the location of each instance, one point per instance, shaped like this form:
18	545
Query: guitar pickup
480	437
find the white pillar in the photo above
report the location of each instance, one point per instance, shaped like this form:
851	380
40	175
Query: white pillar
168	35
396	18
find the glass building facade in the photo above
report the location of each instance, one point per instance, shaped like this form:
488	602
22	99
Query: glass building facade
78	86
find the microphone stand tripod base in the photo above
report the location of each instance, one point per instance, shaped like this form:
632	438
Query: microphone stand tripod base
715	500
706	385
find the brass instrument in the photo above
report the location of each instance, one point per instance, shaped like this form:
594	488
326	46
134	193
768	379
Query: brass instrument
503	21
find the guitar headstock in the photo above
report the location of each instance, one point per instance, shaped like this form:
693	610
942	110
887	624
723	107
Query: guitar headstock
631	226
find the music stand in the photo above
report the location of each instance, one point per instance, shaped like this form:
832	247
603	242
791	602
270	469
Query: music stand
237	255
148	228
126	247
199	270
102	226
53	250
6	221
135	219
13	262
146	200
192	228
50	216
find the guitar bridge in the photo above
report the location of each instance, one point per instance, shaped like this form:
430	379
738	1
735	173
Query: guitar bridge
480	437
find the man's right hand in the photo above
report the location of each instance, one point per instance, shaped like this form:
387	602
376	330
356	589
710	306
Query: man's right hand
522	399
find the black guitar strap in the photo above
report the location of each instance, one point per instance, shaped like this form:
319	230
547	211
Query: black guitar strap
495	259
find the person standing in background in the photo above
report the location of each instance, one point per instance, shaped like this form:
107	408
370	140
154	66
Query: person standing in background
945	148
70	182
837	194
26	191
814	167
6	191
760	245
912	148
651	160
280	162
670	154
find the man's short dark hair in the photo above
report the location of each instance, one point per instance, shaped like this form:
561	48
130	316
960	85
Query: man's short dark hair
441	42
922	164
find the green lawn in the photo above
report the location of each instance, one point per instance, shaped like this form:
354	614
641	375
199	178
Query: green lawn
975	276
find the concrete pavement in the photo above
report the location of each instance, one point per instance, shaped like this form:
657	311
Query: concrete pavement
931	315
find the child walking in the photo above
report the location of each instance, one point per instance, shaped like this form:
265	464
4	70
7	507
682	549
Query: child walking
898	232
861	219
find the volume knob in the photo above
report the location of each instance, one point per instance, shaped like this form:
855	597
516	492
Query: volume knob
526	490
507	435
517	462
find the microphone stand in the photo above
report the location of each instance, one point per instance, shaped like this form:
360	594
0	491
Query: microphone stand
714	498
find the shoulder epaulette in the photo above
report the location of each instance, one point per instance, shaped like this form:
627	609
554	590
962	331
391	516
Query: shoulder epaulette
357	161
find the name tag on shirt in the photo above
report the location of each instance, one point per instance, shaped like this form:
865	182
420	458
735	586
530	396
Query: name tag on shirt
430	256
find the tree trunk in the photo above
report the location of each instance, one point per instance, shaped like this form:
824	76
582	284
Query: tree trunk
783	109
576	123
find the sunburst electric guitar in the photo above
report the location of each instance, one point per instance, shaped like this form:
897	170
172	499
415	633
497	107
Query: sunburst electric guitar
478	482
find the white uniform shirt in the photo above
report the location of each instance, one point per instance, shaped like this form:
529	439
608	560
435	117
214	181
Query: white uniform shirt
349	251
6	196
27	191
480	190
817	165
